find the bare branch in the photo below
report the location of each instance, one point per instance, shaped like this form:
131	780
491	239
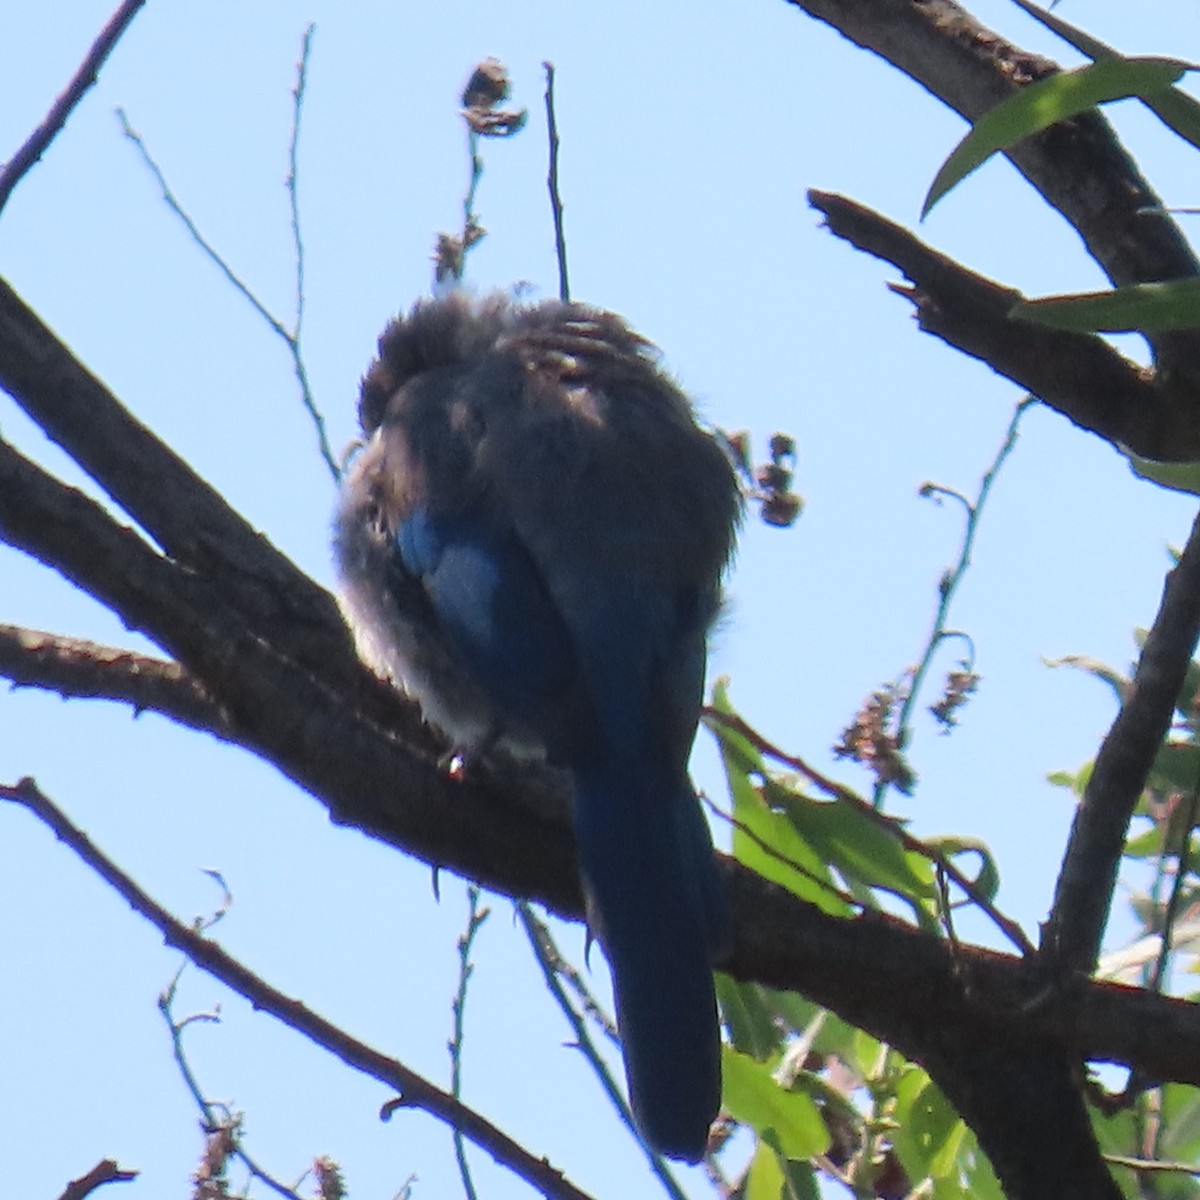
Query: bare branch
39	140
146	478
1079	375
337	732
105	1171
556	204
1078	166
79	669
416	1090
1089	871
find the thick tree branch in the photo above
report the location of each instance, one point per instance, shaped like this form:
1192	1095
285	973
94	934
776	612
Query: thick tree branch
337	734
416	1091
1089	872
354	744
182	513
907	987
1079	375
79	669
1078	166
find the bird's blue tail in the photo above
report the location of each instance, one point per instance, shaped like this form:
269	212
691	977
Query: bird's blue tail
656	904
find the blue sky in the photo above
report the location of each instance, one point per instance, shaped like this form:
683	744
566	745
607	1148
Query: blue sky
690	134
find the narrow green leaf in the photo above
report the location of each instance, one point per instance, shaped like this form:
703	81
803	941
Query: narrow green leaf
771	1176
861	848
1138	308
1176	109
1176	767
764	1177
1175	477
749	1018
1046	102
1093	666
1083	42
1180	1136
752	1096
765	841
987	879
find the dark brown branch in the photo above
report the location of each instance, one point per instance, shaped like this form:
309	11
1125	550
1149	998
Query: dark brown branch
105	1171
39	141
1089	871
511	831
1079	375
415	1089
337	734
86	670
183	514
1078	166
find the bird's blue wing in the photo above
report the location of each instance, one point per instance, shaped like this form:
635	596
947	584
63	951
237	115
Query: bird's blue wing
492	607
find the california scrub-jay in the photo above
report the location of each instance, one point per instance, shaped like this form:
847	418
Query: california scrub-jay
531	543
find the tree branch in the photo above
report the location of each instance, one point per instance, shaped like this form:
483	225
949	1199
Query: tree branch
1078	166
39	140
105	1171
337	733
1078	375
1088	876
416	1091
79	669
182	513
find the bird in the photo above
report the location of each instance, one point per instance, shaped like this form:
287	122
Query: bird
531	542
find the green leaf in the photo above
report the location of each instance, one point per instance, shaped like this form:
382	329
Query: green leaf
930	1133
1176	767
753	1097
1180	1135
749	1018
1177	110
1044	103
1093	666
771	1176
982	1183
987	880
1138	308
1176	477
764	1178
765	841
859	846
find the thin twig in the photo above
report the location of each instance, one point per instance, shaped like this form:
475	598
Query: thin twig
1174	900
556	207
294	339
951	580
80	669
214	256
211	1119
290	337
1151	1164
475	919
547	956
416	1091
39	140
